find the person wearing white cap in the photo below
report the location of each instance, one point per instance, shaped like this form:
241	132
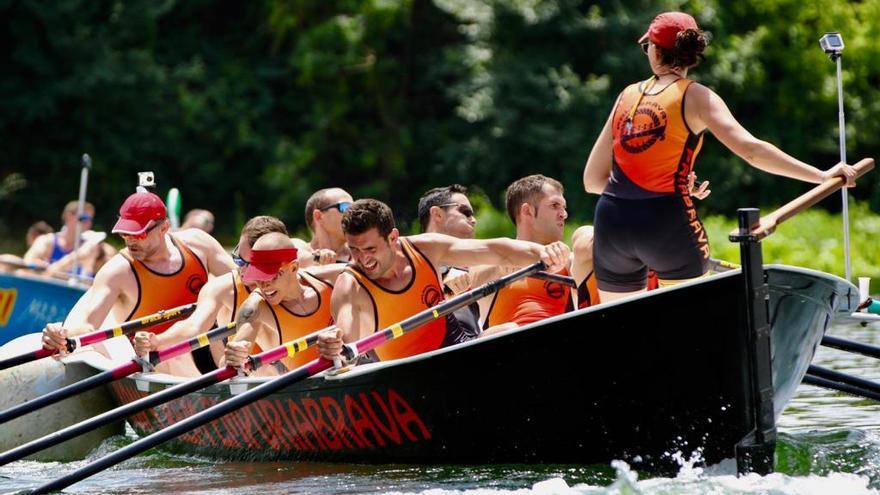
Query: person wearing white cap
157	270
642	165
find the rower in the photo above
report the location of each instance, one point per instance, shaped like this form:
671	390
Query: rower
157	270
295	303
54	250
447	210
393	277
323	214
536	205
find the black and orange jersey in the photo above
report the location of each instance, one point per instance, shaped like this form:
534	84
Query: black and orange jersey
528	300
654	151
390	307
292	326
588	292
158	291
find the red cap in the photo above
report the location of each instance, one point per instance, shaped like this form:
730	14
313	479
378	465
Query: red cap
666	26
265	263
138	211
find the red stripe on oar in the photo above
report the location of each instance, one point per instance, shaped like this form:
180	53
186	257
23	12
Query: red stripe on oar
43	353
129	368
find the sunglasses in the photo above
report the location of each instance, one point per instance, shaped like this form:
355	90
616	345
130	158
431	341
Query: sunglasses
238	260
464	209
143	235
85	217
341	206
645	46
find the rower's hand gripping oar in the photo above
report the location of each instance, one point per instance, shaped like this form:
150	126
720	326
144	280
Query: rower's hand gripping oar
101	335
318	365
114	374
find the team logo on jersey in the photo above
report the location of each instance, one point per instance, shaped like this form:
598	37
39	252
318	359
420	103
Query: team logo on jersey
647	127
7	303
554	289
194	284
431	296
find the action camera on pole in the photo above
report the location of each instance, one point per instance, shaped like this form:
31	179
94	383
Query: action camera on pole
832	44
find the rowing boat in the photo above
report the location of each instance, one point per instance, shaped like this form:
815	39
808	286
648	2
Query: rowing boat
646	380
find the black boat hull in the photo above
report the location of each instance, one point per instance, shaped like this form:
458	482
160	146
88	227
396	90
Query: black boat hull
639	380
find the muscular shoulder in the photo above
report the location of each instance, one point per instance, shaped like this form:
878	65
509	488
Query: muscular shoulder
197	240
217	286
116	271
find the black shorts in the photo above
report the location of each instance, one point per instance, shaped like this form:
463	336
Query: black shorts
631	235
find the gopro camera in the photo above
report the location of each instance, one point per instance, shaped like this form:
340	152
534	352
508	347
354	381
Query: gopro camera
146	179
831	43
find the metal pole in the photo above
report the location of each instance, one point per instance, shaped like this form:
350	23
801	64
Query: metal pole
844	192
83	185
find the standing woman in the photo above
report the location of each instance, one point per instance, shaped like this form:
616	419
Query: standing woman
642	162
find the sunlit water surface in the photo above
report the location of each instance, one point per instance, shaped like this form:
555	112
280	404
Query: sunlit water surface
829	444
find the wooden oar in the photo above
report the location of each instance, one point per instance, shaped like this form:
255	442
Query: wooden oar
287	349
126	328
318	365
121	371
769	222
851	346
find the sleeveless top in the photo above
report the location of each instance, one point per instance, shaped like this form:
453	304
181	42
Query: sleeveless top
655	151
390	307
158	291
57	251
291	326
528	300
588	292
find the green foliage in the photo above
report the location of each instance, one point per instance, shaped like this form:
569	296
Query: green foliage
248	107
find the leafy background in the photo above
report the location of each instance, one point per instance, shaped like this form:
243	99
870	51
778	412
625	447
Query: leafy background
248	107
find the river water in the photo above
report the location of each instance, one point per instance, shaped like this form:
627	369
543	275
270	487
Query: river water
829	444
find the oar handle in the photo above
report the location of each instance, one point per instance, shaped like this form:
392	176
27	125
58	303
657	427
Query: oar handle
192	344
101	335
285	350
554	277
767	225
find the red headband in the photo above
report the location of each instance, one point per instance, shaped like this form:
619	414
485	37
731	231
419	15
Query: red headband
265	263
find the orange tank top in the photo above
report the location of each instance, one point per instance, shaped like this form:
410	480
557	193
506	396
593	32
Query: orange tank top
292	326
528	300
390	307
158	291
653	152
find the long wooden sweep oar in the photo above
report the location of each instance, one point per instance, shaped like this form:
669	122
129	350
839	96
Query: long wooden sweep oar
103	334
318	365
114	374
287	349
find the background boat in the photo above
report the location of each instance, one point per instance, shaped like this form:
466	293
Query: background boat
27	303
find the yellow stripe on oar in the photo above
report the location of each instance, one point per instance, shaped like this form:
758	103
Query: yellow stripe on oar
291	349
397	330
436	314
203	340
301	345
117	331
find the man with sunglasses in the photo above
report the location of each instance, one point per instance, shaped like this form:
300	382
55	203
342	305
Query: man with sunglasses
393	277
294	303
55	250
447	210
157	270
323	216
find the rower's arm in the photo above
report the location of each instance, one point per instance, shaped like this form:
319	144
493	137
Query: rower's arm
92	309
327	273
247	324
207	307
40	250
598	167
350	313
448	250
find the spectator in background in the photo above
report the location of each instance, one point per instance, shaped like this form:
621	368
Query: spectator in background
198	219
